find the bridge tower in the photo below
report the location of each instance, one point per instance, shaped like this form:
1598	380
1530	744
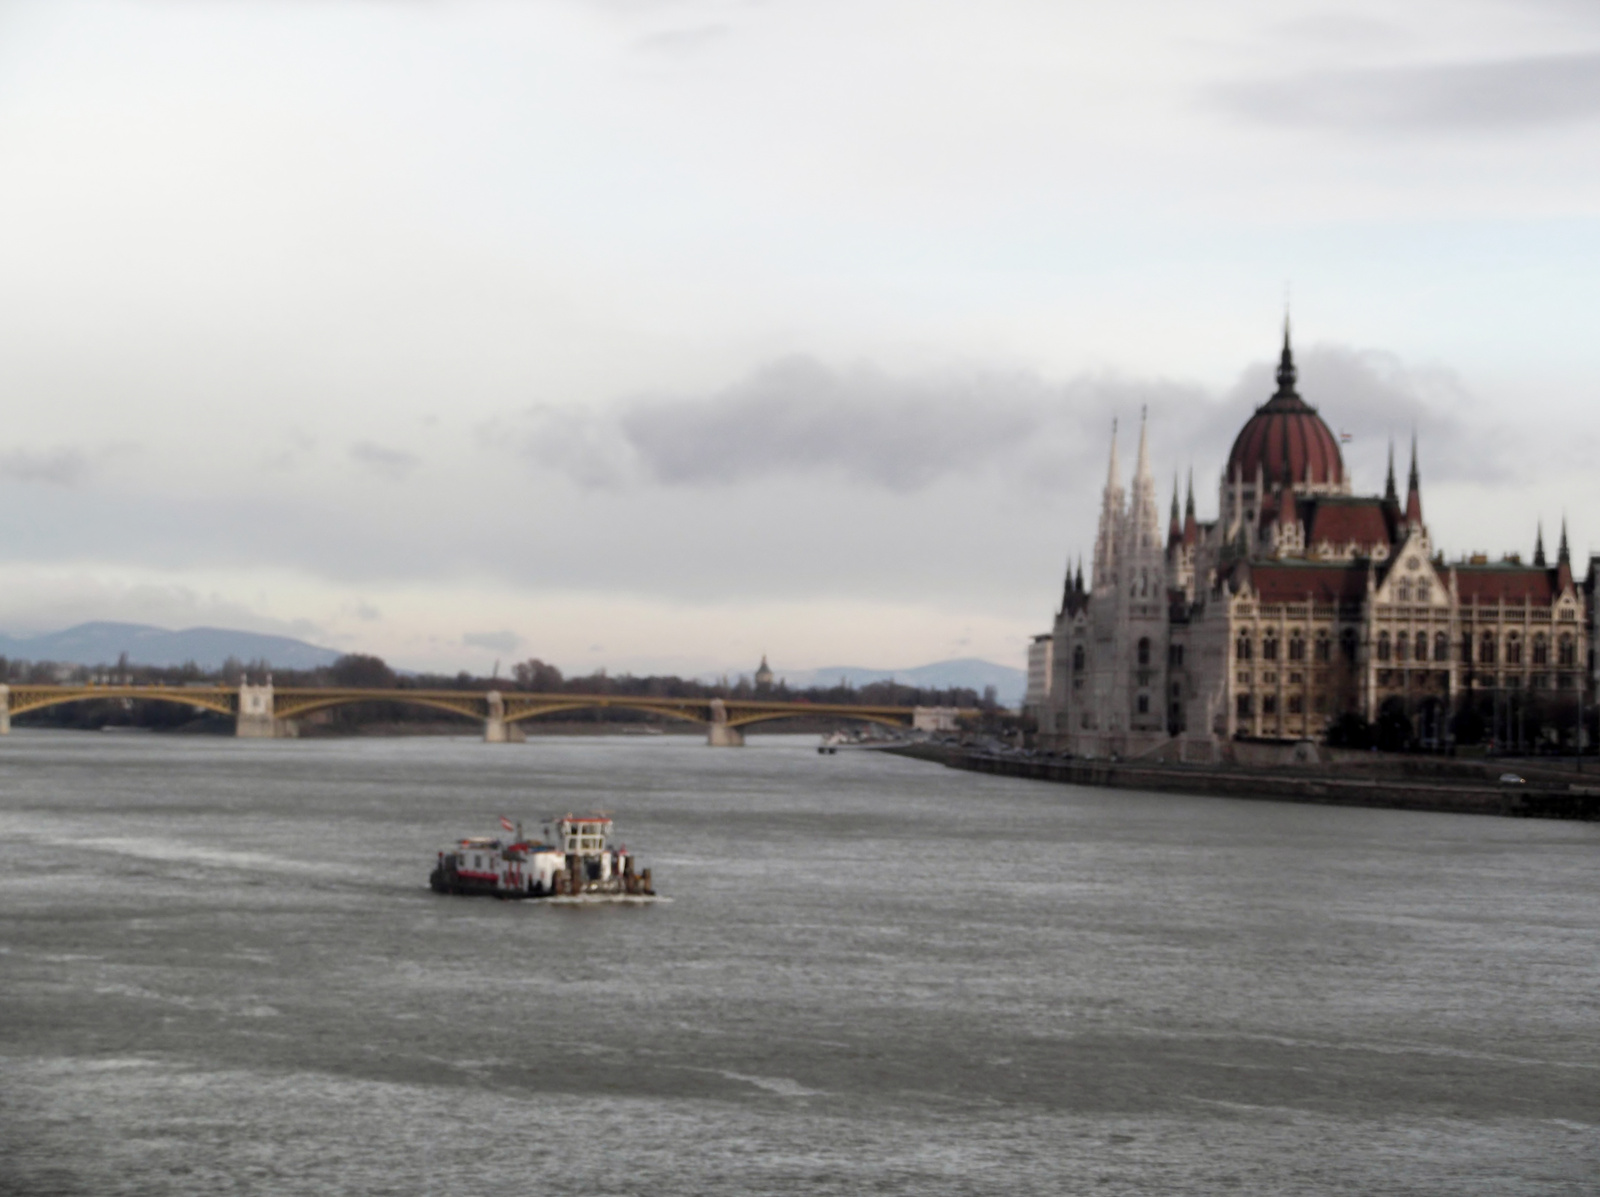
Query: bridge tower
257	719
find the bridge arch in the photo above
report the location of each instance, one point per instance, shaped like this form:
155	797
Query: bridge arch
24	701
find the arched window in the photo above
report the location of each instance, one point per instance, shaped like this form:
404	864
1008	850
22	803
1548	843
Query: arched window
1541	649
1269	647
1297	646
1513	650
1422	646
1241	650
1402	591
1077	659
1144	650
1402	646
1324	649
1347	644
1441	647
1423	592
1486	649
1568	650
1383	646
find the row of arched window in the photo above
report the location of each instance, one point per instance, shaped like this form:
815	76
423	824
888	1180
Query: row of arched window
1294	649
1403	646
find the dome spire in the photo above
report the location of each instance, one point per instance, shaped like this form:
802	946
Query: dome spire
1286	371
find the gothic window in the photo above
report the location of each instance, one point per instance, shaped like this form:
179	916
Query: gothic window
1297	647
1144	650
1402	591
1347	644
1175	655
1324	649
1402	646
1422	592
1383	646
1422	646
1513	650
1297	705
1269	704
1567	649
1144	704
1241	650
1486	649
1269	647
1077	658
1441	647
1242	706
1541	650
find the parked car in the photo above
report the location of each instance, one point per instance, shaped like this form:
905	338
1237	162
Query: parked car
1513	779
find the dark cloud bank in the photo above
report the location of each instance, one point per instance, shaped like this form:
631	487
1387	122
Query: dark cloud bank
1500	95
862	427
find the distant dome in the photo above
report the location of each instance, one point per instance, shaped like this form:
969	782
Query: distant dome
1286	439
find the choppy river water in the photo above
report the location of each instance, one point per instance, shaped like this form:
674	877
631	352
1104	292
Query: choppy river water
221	971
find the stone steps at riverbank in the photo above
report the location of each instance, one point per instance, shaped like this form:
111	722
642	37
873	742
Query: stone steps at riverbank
1539	801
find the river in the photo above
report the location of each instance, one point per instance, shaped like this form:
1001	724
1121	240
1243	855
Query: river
221	971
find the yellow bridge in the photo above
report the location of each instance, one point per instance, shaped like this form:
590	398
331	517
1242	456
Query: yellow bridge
265	712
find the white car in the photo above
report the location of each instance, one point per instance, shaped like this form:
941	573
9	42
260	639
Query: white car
1513	779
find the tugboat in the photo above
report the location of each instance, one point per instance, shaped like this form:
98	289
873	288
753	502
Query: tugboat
580	865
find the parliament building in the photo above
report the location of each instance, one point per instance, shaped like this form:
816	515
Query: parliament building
1303	612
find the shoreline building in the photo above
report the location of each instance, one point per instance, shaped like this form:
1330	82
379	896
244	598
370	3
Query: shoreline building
1303	609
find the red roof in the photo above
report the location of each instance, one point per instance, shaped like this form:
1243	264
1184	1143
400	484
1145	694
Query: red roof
1486	583
1294	583
1347	521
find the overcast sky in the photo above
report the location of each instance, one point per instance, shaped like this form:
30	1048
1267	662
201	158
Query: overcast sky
658	334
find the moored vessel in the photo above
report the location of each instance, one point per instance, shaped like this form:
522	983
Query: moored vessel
579	864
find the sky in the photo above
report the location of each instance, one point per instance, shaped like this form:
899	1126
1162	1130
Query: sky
656	335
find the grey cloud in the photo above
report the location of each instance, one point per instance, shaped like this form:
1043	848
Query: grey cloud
500	642
683	41
58	467
869	429
1498	95
394	464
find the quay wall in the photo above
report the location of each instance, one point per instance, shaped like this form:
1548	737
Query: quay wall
1534	800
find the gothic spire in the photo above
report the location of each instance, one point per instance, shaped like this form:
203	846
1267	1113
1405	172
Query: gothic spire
1390	495
1538	546
1188	504
1414	488
1563	557
1174	527
1111	472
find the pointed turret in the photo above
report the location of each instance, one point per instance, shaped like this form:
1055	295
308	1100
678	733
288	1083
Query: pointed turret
1414	490
1563	561
1174	527
1144	512
1109	534
1538	547
1390	494
1191	525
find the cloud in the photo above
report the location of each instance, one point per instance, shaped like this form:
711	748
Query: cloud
394	464
500	642
865	428
1498	95
683	41
58	467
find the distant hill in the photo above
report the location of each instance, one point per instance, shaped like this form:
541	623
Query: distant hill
103	643
1010	684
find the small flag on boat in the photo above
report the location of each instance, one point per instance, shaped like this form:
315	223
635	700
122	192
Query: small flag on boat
506	824
1344	438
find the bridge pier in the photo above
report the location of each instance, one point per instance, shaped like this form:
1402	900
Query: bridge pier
5	709
256	719
494	726
720	734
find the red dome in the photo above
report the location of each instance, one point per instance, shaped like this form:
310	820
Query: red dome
1286	439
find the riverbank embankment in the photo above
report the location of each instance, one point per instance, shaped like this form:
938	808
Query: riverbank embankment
1394	788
